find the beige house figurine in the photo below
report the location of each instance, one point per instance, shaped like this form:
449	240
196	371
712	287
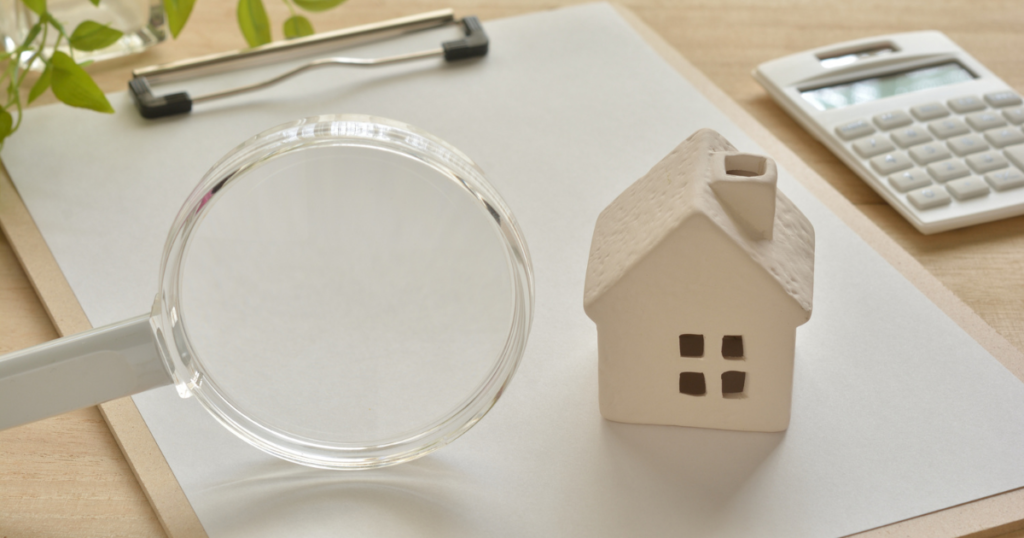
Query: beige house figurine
699	274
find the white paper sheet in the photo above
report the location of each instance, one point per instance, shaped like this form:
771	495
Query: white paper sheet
897	412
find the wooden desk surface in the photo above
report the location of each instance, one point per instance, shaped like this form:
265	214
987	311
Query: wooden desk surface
66	476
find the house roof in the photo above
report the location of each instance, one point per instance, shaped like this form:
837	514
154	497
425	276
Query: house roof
678	187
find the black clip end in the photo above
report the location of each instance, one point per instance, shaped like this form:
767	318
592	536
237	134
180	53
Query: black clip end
473	45
151	106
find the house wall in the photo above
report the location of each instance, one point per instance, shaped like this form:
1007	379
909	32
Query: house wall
696	281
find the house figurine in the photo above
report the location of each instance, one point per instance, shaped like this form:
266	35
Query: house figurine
699	275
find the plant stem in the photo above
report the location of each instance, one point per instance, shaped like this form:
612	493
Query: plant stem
291	8
36	53
12	89
62	34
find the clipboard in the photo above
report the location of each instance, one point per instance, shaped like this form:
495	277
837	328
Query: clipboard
993	515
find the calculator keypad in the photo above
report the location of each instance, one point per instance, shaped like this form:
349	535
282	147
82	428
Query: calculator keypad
929	153
909	180
948	127
1005	180
872	145
891	162
965	104
936	154
986	162
929	111
967	144
947	170
911	136
981	121
967	188
1001	99
929	197
854	129
892	120
1003	137
1014	115
1016	156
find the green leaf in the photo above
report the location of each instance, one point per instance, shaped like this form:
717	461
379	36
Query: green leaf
177	14
6	124
253	21
72	85
91	35
318	5
297	26
42	84
95	2
38	6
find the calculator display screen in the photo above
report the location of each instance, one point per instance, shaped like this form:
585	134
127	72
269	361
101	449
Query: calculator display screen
870	89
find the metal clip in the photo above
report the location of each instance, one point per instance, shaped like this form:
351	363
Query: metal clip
473	45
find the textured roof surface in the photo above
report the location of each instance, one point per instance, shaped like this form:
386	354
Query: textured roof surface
677	187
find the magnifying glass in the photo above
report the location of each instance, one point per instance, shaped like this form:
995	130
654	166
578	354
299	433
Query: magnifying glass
342	292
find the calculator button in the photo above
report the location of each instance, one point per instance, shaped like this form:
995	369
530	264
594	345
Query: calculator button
892	120
891	162
1005	98
965	145
1016	155
929	197
1005	180
1014	115
1006	136
967	188
929	153
967	103
869	147
854	129
986	120
909	180
986	162
947	128
911	136
947	170
929	111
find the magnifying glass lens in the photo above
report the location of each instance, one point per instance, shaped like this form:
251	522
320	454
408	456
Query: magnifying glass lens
348	303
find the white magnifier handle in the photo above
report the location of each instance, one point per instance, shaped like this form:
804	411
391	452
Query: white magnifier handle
79	371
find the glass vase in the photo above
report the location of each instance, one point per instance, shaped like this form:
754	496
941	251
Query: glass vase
142	21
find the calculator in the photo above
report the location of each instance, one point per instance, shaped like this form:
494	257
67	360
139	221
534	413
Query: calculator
931	129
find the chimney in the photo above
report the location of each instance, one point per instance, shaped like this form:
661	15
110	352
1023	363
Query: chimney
745	186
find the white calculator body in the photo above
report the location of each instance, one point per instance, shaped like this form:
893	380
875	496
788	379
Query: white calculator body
925	124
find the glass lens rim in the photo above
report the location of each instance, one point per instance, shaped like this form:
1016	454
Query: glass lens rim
365	131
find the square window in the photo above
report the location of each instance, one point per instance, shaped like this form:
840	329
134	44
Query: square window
692	383
732	347
734	384
691	345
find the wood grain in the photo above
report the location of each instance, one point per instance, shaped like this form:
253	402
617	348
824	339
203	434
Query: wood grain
65	476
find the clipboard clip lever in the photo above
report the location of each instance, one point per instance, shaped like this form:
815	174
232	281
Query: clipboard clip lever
151	106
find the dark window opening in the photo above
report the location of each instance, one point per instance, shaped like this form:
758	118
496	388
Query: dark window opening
732	347
692	383
734	384
691	345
